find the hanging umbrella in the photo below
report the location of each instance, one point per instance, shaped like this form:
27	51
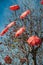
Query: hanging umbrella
20	31
24	14
34	40
41	2
7	28
8	60
14	7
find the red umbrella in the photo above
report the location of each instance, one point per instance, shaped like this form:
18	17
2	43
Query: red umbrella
20	31
34	40
24	14
14	7
8	60
4	31
41	2
7	28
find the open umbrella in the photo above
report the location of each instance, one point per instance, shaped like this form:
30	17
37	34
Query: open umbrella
8	60
34	40
24	14
7	28
14	7
20	31
41	2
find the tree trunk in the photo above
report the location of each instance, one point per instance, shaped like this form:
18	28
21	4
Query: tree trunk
27	62
34	59
27	59
34	56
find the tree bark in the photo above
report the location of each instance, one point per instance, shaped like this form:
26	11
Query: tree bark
34	56
34	59
27	59
27	62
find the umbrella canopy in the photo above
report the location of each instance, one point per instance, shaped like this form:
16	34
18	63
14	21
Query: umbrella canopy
8	60
34	40
11	24
24	14
20	31
41	2
14	7
4	31
7	28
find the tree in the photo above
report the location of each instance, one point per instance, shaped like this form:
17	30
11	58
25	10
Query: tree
33	25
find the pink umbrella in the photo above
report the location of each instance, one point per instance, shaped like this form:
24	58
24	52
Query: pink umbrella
24	14
11	24
7	28
4	31
14	7
34	40
20	31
